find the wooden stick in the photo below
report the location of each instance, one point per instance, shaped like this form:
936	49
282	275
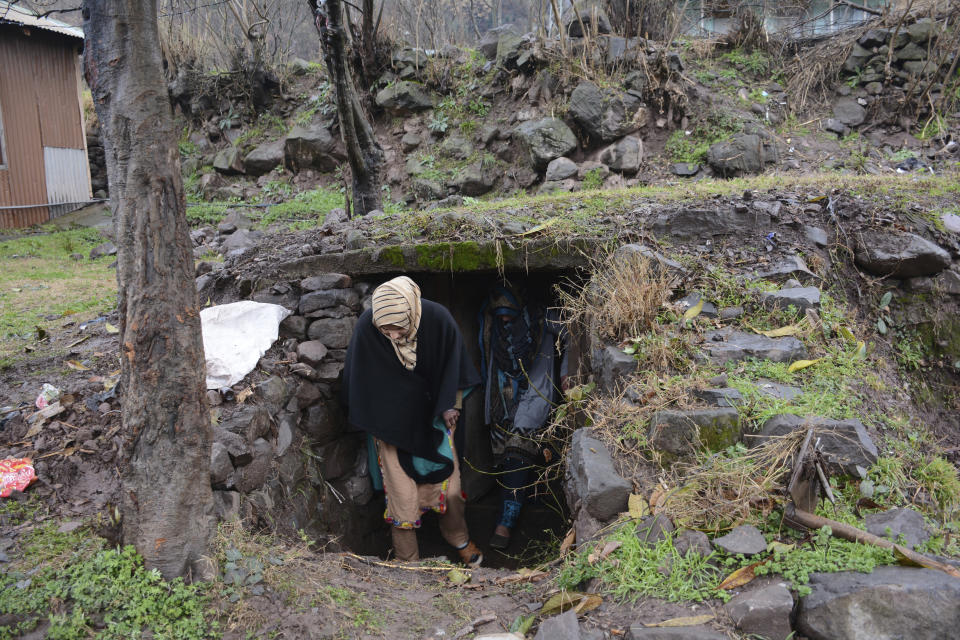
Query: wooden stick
848	532
399	565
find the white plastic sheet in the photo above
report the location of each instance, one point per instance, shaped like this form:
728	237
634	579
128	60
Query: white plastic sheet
235	335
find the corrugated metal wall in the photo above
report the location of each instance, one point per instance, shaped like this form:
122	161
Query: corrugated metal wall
40	106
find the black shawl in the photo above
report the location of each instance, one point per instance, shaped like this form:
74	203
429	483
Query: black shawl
398	406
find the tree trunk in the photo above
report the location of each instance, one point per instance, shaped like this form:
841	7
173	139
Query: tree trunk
167	502
363	151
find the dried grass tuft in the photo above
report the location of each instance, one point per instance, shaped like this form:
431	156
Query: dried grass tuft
623	297
724	490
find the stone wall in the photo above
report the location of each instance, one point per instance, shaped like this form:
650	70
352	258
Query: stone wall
282	455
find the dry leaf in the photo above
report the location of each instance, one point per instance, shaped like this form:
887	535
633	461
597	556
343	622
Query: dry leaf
657	498
693	311
609	548
589	602
568	541
741	576
861	351
76	366
788	330
243	394
110	328
560	602
540	227
686	621
802	364
638	506
781	547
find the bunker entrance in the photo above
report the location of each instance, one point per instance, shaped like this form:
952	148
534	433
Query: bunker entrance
544	518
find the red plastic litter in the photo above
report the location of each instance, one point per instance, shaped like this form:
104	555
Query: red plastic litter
16	474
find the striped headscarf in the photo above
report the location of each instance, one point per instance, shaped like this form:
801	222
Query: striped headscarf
397	302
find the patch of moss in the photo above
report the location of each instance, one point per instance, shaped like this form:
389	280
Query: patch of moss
392	254
457	256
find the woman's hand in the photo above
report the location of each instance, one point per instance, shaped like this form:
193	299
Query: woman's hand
450	417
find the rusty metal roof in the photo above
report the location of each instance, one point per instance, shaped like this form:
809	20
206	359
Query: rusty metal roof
16	14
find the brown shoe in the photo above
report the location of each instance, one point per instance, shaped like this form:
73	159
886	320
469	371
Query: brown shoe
471	555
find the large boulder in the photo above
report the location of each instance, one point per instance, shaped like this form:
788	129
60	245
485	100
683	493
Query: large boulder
900	255
763	612
545	139
311	147
592	481
705	224
624	156
888	604
509	49
899	522
849	112
560	169
744	540
228	162
800	298
742	153
264	158
683	433
562	627
858	58
474	180
491	39
404	97
611	366
456	147
606	115
724	345
845	445
585	15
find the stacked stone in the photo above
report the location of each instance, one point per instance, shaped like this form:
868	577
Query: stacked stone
285	452
910	58
97	159
913	63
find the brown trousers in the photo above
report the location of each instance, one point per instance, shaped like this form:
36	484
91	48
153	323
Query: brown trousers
406	501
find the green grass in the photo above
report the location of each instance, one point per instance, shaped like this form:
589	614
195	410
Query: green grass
40	279
756	63
84	590
826	554
830	387
693	147
306	209
637	570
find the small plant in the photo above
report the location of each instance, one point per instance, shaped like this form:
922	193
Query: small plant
756	63
439	122
940	480
593	179
478	107
227	121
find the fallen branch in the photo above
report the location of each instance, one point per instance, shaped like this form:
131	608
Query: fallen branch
860	7
848	532
398	565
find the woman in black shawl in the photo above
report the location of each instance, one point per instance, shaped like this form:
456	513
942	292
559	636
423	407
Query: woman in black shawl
406	374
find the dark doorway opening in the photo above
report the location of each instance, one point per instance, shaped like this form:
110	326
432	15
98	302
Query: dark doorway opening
544	519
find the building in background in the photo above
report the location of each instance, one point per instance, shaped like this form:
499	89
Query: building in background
43	153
